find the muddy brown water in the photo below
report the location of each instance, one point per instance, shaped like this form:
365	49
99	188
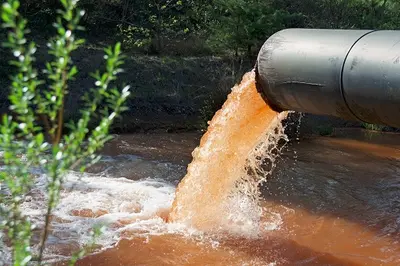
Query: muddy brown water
338	199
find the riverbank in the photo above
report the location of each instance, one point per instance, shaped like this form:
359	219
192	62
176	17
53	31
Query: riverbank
169	94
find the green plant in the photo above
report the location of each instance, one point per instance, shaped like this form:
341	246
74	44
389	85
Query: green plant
242	26
373	127
154	22
33	137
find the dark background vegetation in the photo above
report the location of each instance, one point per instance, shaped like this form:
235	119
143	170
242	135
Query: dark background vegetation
183	56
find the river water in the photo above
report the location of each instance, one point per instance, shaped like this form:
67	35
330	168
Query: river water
330	201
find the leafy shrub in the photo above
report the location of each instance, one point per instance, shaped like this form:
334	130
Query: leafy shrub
32	136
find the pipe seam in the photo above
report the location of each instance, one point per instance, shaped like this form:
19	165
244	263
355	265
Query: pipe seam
342	89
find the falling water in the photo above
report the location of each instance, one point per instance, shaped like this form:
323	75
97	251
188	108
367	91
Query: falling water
235	155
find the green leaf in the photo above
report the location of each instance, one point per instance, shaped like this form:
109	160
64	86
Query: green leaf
117	48
7	9
64	3
73	72
5	17
15	5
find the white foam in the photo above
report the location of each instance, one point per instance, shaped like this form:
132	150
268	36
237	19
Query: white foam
127	208
121	205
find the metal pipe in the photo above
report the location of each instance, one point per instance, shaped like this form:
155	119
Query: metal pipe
352	74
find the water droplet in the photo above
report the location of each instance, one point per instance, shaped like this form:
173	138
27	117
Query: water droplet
112	115
44	145
126	89
17	53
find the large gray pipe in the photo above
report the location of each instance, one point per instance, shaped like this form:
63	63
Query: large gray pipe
352	74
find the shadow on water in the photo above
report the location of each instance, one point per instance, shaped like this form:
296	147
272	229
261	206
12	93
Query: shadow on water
347	178
136	156
174	148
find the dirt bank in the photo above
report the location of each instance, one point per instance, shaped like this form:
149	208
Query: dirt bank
170	94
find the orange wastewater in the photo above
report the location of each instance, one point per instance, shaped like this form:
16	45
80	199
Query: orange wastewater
235	137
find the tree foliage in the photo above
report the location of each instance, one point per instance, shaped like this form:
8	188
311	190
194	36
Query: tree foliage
346	14
236	26
240	25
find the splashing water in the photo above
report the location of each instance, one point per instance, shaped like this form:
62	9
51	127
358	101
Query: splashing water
236	154
124	207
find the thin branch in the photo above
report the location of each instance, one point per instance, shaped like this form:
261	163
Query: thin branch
45	233
60	122
47	126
